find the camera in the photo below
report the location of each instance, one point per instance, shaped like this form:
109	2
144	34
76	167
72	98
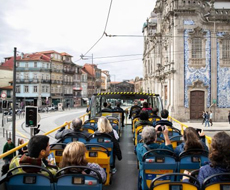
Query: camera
161	128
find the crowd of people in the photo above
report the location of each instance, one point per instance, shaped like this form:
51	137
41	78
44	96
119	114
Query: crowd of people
74	153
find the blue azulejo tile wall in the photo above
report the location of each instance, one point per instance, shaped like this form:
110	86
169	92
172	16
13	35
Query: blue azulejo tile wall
223	80
192	74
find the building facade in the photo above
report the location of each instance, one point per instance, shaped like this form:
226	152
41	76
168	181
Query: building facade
187	56
6	86
138	84
105	81
125	86
33	72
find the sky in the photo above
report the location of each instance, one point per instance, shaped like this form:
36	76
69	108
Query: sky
73	26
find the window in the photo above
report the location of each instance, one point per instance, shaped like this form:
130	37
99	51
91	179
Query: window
18	89
52	89
43	88
196	48
35	76
47	89
35	64
26	89
56	89
47	77
26	65
26	76
17	64
17	75
226	49
35	89
43	65
42	76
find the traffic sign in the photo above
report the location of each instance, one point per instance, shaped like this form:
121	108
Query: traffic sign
3	95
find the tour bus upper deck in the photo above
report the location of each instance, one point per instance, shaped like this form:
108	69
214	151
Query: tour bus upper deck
126	98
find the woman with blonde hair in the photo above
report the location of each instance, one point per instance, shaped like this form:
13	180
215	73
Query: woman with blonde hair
104	126
74	155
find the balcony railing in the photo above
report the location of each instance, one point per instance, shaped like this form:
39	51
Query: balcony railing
57	70
30	69
56	94
34	81
69	71
68	83
56	81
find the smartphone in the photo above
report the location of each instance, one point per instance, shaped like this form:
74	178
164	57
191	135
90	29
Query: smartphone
198	130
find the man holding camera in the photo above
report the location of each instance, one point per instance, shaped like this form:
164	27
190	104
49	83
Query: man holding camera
149	137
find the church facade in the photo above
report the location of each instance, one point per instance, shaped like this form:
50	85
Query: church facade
187	57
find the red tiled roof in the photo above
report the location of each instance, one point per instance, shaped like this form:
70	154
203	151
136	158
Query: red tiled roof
7	87
64	53
35	57
10	62
48	52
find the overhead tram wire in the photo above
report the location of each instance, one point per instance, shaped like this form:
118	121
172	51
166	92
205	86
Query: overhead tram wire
108	57
102	33
119	61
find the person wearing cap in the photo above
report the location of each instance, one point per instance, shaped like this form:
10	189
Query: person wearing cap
8	146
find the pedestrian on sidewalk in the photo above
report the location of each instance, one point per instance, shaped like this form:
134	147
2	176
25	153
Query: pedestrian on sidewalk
210	118
207	119
8	146
229	117
203	116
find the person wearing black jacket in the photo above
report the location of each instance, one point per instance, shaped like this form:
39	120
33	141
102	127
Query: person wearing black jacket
104	126
76	127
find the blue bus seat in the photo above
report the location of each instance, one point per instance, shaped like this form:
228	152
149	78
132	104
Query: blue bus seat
160	184
172	132
100	155
106	141
57	149
192	159
77	181
176	140
222	182
90	127
74	137
157	162
30	181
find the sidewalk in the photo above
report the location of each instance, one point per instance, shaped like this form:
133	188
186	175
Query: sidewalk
217	126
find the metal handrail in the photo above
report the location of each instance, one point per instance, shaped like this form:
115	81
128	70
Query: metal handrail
47	133
209	139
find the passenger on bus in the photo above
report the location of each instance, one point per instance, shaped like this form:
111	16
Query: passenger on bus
76	127
155	116
149	137
192	140
164	119
22	150
146	107
219	156
105	107
104	126
118	108
38	151
134	109
144	116
109	106
74	155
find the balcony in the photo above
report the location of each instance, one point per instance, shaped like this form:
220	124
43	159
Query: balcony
56	94
45	81
31	69
68	83
68	95
54	70
69	71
